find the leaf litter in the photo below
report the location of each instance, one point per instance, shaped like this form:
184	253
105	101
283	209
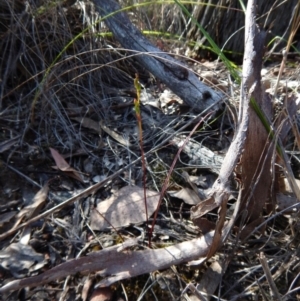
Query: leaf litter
53	232
125	207
20	258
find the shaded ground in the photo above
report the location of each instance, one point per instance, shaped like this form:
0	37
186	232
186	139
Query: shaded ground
80	102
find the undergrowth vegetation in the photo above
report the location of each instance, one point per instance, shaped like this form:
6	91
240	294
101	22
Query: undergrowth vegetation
66	84
55	66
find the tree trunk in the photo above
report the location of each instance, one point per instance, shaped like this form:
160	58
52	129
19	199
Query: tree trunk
225	23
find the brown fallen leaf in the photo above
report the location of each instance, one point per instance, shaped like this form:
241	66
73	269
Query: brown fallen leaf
212	278
204	225
125	207
88	284
97	127
203	208
19	259
32	209
62	165
114	134
188	195
39	199
88	123
101	294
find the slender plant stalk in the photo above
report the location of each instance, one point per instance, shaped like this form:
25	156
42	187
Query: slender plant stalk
167	180
137	104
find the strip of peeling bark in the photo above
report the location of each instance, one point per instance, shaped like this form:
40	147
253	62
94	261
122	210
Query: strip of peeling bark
173	73
247	148
119	264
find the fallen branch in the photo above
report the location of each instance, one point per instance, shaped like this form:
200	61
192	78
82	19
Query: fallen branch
168	70
119	264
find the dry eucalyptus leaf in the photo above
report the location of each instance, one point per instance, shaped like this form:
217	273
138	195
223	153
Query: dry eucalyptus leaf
102	294
18	258
33	210
212	278
188	195
88	123
203	208
88	283
204	225
35	206
62	165
125	207
114	134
